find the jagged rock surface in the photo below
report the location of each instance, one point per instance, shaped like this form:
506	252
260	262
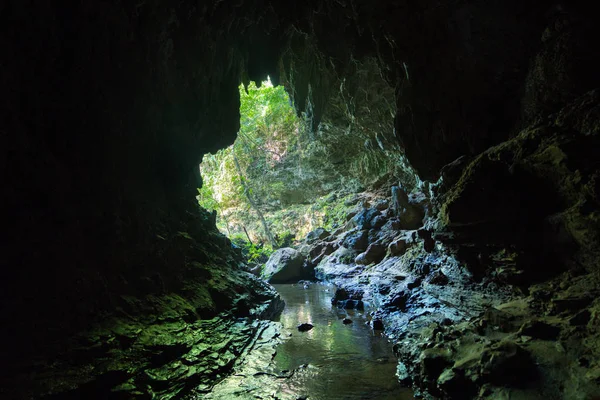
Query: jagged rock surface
497	294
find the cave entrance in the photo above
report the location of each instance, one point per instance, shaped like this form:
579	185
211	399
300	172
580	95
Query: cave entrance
286	175
249	183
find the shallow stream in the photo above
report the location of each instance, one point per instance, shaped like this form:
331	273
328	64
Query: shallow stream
338	361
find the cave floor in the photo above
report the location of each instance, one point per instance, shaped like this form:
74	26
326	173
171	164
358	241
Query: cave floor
330	361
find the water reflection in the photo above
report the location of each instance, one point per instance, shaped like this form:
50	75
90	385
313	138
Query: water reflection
333	360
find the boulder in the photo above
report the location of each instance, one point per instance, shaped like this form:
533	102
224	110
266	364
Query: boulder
374	254
397	247
364	218
321	250
377	324
339	263
357	240
317	234
351	304
339	295
378	221
409	210
285	265
305	327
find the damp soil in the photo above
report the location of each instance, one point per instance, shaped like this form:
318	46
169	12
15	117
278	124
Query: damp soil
337	360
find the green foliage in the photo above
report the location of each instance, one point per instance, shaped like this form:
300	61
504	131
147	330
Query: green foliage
285	239
206	198
334	211
268	127
259	253
254	253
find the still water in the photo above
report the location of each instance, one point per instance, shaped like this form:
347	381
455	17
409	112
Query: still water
336	361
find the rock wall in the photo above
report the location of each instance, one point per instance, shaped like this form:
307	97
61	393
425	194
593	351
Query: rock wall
493	294
107	110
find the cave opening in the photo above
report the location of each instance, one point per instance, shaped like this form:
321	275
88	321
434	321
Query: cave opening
297	200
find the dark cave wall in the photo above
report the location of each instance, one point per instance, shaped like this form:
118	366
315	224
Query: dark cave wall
107	111
468	75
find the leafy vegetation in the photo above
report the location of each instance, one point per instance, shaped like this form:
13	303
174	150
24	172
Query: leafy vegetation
255	253
244	179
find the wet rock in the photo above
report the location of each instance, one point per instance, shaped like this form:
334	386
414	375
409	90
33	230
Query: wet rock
377	324
304	284
506	363
438	278
304	327
285	265
364	218
397	247
358	241
351	304
346	321
374	253
317	234
410	215
340	295
539	330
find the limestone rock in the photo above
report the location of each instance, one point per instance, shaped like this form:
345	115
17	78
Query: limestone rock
338	263
397	247
374	253
364	218
351	304
409	213
356	240
377	324
317	234
285	265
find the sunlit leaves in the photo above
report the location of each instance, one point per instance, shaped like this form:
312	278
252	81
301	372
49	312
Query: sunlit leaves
268	131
